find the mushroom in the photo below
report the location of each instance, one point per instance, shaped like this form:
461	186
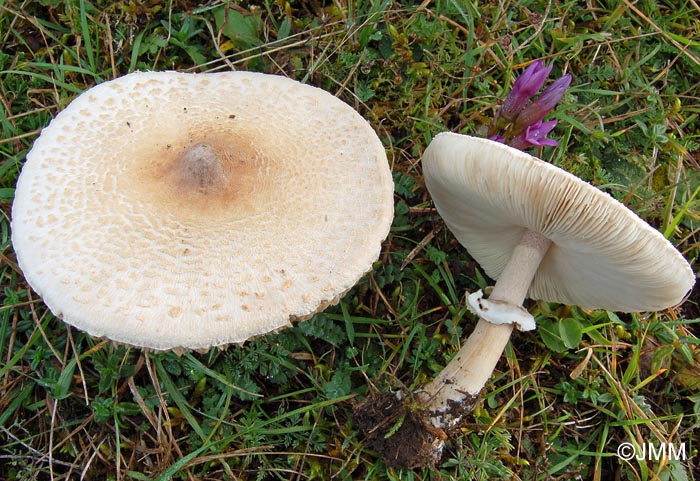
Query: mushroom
169	210
543	233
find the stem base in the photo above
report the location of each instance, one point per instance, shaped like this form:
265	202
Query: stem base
402	436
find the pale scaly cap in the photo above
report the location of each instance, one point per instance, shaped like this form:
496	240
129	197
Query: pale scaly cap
602	255
170	210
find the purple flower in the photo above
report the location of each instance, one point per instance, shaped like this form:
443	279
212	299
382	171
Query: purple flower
535	135
543	104
525	86
519	122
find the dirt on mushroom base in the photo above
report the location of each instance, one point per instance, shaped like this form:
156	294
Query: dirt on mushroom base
400	432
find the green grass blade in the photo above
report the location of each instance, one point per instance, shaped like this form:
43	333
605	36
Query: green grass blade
178	398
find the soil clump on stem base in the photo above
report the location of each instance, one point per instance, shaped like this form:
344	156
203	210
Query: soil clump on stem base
401	435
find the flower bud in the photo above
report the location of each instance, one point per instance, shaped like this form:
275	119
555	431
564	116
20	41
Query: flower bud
525	86
543	104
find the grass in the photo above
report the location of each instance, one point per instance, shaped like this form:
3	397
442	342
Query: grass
563	398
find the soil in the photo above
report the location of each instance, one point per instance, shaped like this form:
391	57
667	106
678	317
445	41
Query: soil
398	433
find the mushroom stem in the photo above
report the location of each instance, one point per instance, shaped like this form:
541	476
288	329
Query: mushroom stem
453	392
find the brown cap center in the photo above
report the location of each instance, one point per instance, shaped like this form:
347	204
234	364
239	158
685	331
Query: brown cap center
200	169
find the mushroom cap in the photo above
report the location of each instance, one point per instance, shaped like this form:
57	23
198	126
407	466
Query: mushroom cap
602	255
169	210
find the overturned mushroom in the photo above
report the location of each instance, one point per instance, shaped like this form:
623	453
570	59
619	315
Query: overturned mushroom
170	210
543	233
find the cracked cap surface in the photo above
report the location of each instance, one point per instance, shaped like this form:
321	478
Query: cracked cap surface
170	210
